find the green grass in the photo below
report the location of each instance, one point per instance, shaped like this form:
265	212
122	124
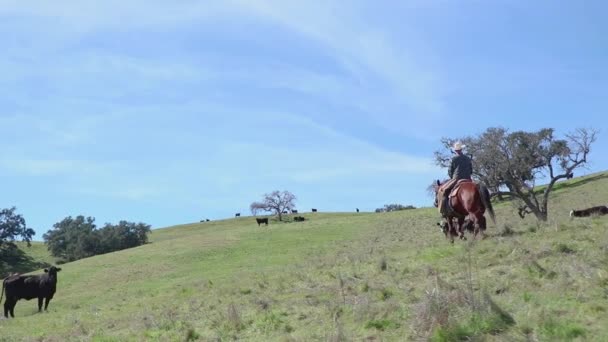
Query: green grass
341	276
25	259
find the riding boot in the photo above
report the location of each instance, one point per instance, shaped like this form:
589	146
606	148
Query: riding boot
444	205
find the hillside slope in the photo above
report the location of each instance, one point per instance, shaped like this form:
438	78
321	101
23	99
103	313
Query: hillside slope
389	277
25	259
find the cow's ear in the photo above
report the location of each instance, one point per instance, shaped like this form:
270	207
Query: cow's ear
58	269
46	270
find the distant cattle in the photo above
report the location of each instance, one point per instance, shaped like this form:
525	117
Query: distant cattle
314	210
262	220
207	220
237	214
41	286
285	212
299	219
570	175
357	209
293	211
598	210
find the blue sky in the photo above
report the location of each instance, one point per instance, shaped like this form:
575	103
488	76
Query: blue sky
168	112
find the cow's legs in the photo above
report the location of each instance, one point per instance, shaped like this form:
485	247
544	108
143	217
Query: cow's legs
9	307
46	302
40	303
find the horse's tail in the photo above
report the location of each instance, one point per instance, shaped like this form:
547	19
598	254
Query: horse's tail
485	199
2	293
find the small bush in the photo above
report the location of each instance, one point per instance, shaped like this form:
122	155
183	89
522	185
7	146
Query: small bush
386	294
192	335
476	326
506	230
269	322
563	248
535	269
381	324
526	329
233	318
383	264
448	334
555	330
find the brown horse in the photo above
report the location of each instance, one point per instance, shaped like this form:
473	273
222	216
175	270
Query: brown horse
468	201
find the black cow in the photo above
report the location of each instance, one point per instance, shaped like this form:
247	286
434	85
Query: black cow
570	175
357	209
293	211
207	220
299	219
314	210
41	286
598	210
237	214
262	220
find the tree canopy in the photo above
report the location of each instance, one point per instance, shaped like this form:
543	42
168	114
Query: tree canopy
394	207
77	238
13	226
276	202
510	163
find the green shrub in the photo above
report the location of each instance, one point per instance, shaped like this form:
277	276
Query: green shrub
554	329
381	324
563	248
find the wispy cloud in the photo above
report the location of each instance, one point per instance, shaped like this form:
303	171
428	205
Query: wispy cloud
391	76
130	192
361	48
58	167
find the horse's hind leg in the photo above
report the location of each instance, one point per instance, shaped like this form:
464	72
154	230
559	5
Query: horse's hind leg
479	225
482	226
461	228
452	230
448	229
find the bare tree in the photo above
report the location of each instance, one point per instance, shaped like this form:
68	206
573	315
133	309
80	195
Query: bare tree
510	163
275	201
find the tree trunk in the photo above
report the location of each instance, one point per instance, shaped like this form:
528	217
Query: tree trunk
540	215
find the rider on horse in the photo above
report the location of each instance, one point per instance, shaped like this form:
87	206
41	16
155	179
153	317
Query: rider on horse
461	167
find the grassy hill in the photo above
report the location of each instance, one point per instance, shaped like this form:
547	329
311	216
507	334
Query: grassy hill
25	259
341	277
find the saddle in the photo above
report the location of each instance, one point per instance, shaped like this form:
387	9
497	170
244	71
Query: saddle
456	187
447	209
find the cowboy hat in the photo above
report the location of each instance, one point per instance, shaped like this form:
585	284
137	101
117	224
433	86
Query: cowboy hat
458	146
